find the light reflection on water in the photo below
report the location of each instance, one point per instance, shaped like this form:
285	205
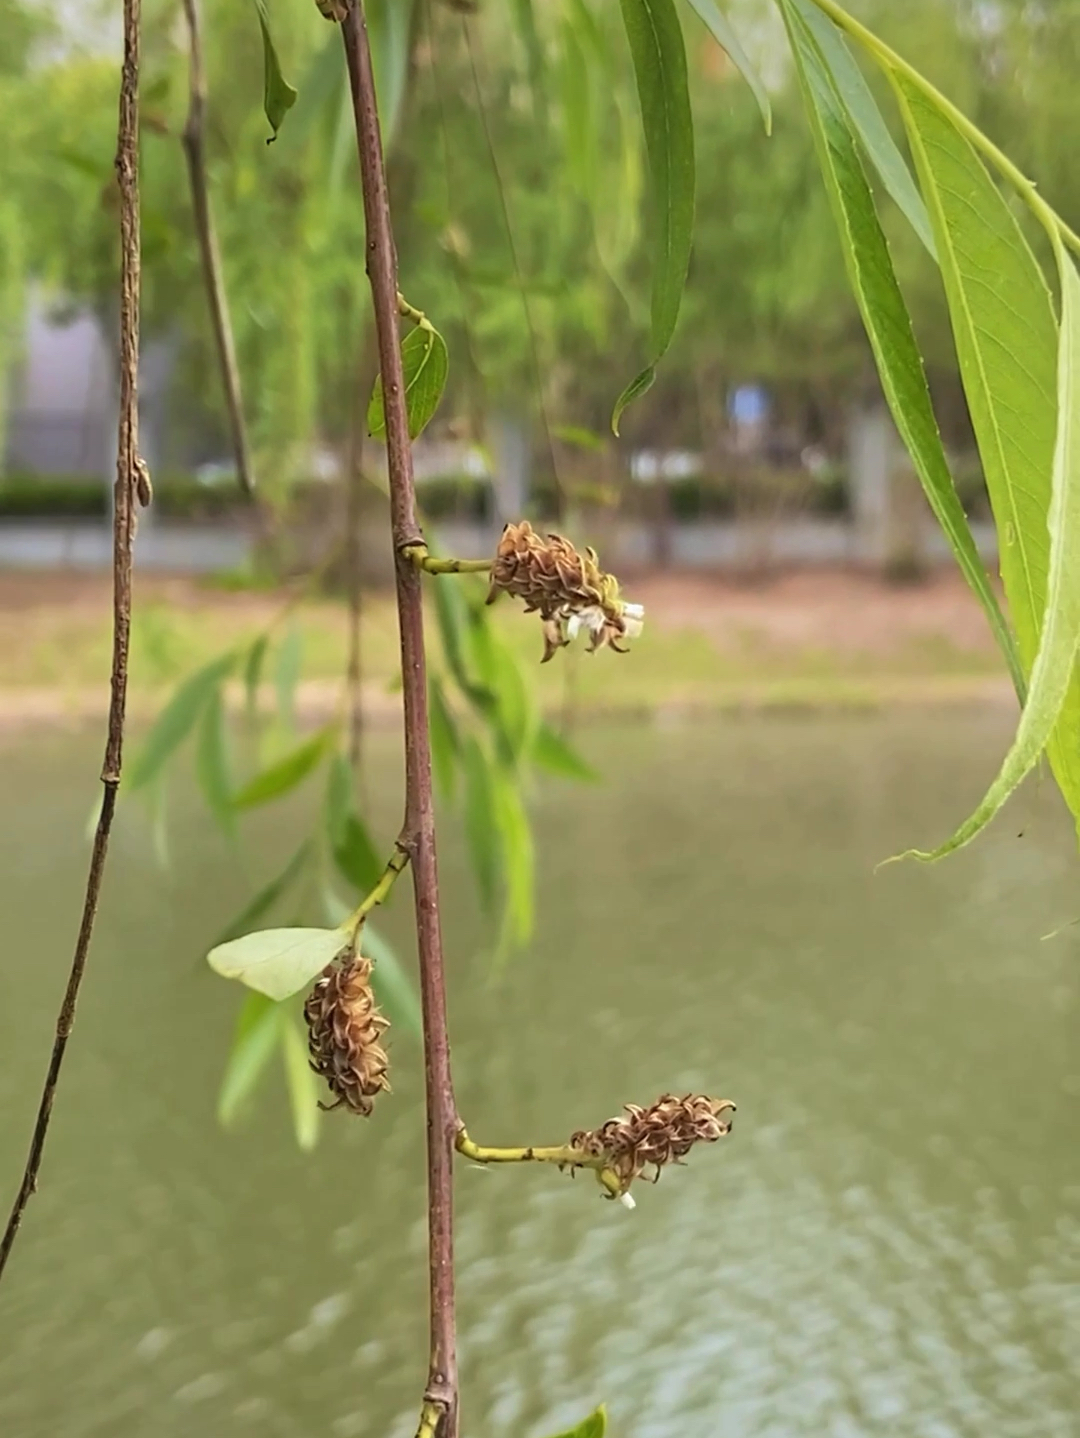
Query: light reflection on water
889	1243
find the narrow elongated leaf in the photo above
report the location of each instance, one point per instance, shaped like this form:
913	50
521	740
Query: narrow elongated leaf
726	36
267	896
290	662
389	24
257	1036
356	857
253	668
659	55
278	95
452	612
885	315
339	796
551	751
513	715
867	120
302	1085
595	1426
177	720
394	989
1007	344
518	863
1054	664
277	962
481	822
287	773
445	743
212	763
426	364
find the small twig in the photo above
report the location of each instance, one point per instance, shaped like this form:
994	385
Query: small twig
441	1393
397	862
192	139
565	1155
130	482
418	554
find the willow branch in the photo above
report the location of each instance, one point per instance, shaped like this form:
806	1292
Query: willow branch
131	481
418	554
565	1155
192	139
441	1393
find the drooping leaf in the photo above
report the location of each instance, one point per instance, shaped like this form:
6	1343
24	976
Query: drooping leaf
1007	344
212	763
726	36
356	856
177	720
513	713
523	13
595	1426
886	318
452	613
287	668
481	821
277	962
425	364
659	56
256	1038
339	796
1055	663
445	743
278	95
289	771
867	119
551	751
518	860
389	25
393	988
267	896
253	668
302	1085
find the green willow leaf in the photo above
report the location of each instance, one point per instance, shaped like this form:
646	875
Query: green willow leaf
595	1426
481	823
302	1085
1007	343
177	720
425	364
278	95
452	612
253	668
389	26
725	35
551	751
287	669
659	56
867	120
886	318
257	1035
267	896
289	771
277	962
212	763
1056	659
394	989
445	741
356	856
518	859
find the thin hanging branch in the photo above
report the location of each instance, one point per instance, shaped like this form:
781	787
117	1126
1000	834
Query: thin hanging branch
440	1410
132	482
193	141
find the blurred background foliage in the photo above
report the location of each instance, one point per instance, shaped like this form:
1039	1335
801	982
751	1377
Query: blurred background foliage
518	180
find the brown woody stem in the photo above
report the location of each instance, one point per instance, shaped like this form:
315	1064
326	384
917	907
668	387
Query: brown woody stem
130	480
192	139
418	832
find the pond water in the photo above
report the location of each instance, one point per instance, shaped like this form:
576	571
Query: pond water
888	1243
